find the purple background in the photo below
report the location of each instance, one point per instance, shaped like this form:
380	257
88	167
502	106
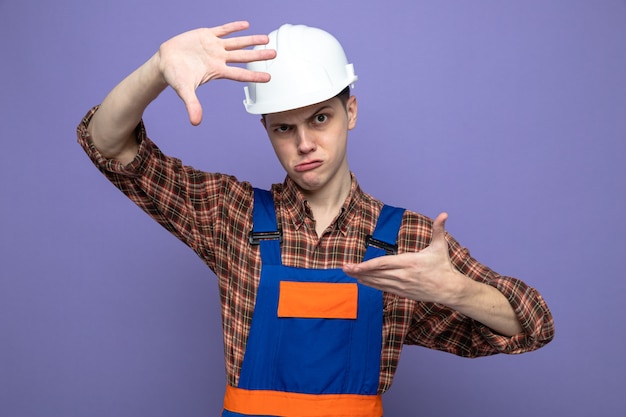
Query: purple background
511	116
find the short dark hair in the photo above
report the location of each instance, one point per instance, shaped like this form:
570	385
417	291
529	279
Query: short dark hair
344	95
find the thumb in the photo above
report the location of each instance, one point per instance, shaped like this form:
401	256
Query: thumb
194	109
439	230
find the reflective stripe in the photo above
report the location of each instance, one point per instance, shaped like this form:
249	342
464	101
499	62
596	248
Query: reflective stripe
279	403
322	300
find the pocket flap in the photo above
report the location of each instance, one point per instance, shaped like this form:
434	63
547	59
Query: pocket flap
322	300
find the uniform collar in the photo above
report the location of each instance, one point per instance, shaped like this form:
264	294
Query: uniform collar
297	210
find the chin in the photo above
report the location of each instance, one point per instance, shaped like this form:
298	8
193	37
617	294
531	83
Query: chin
307	181
308	186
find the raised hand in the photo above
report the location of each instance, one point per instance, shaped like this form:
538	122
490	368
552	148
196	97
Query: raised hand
184	62
198	56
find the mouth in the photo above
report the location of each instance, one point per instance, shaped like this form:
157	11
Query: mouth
307	166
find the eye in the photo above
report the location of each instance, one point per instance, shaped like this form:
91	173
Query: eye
320	118
282	129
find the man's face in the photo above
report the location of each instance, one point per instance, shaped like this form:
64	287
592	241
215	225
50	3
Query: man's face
310	143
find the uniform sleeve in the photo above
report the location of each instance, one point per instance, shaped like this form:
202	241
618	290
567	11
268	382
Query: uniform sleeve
191	204
439	327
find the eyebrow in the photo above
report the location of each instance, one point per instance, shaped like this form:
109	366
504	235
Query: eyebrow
313	114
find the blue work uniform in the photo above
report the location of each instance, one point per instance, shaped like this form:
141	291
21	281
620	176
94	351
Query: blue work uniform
315	339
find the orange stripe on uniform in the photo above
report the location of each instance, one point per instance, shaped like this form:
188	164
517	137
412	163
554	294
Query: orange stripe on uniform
289	404
321	300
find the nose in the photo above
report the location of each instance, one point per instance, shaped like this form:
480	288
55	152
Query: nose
306	141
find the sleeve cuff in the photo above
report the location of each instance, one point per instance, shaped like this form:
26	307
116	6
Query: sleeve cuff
532	313
134	168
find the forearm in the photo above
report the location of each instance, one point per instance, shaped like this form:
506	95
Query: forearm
112	126
487	305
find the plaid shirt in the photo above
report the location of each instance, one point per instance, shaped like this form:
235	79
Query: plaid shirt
212	214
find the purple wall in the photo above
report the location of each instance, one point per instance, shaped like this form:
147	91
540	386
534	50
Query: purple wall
508	115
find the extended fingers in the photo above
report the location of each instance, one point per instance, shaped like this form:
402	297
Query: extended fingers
382	279
242	42
237	52
247	55
230	27
244	75
381	266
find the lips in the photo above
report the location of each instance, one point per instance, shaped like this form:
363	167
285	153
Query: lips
307	166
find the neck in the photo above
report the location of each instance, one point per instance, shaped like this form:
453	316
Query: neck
326	204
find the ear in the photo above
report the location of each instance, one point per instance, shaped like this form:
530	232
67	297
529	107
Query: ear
262	120
352	110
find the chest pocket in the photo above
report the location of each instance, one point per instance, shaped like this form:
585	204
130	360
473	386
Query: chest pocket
320	300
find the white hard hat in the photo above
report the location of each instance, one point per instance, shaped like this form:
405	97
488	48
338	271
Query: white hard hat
310	67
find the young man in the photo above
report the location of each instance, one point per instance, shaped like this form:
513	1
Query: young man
321	284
